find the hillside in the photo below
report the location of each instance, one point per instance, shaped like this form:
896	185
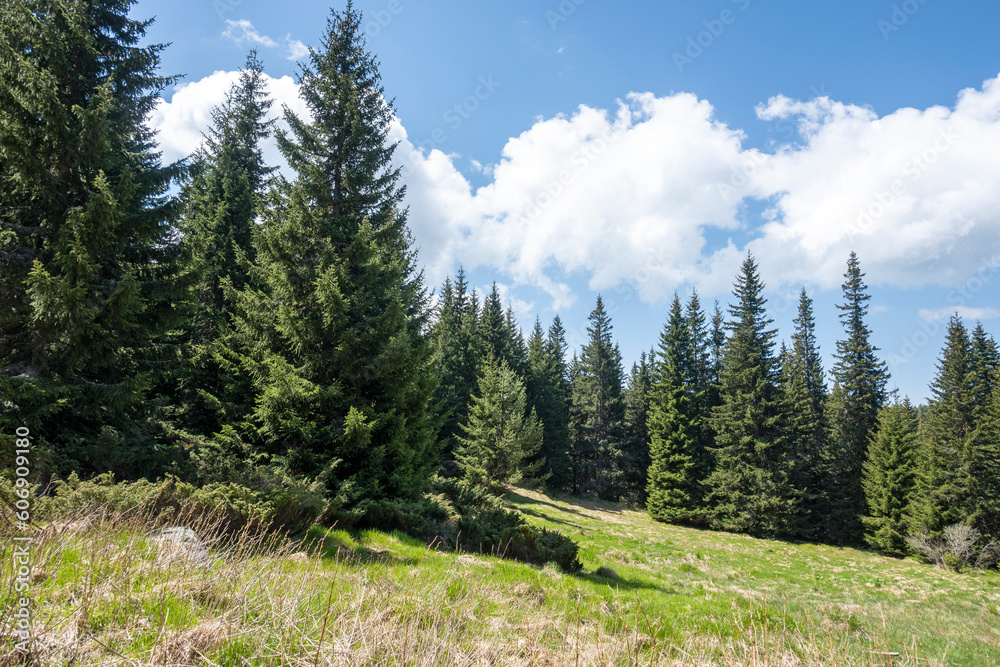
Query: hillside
667	595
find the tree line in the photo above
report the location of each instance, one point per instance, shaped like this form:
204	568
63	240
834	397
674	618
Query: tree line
256	322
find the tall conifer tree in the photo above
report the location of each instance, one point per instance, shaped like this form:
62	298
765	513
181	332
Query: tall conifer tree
344	371
455	337
637	399
805	390
597	398
888	479
223	199
859	392
87	253
750	488
544	384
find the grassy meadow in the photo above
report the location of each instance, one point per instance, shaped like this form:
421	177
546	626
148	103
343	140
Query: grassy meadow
650	594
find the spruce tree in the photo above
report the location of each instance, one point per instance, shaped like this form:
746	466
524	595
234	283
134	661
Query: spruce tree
984	446
675	422
942	496
498	333
672	492
806	426
558	432
87	250
455	337
984	489
635	435
502	435
597	399
859	393
750	488
343	370
223	198
545	394
704	391
984	360
717	346
889	478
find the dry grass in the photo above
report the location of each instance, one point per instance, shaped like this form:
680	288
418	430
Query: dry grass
104	596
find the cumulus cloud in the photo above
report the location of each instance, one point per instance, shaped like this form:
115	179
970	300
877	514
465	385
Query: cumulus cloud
965	312
653	192
243	32
621	195
182	122
916	192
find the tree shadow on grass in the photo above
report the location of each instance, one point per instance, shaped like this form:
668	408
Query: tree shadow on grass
519	499
546	517
621	584
576	503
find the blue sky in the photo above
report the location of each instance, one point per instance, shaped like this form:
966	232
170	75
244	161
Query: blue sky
576	147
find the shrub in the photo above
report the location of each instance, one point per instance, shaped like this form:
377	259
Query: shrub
962	546
278	501
505	533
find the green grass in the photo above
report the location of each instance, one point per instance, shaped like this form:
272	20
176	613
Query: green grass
649	594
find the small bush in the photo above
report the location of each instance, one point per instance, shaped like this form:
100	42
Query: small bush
505	533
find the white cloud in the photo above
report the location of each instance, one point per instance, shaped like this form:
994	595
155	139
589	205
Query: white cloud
622	196
916	193
296	49
635	194
965	312
182	122
243	31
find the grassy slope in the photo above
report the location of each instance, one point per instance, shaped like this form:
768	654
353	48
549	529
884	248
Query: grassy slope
855	602
681	596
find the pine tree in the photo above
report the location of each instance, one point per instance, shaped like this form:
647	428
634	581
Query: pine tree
717	345
597	400
222	200
544	384
859	393
750	489
343	371
87	250
518	347
501	435
959	461
888	480
804	386
984	446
